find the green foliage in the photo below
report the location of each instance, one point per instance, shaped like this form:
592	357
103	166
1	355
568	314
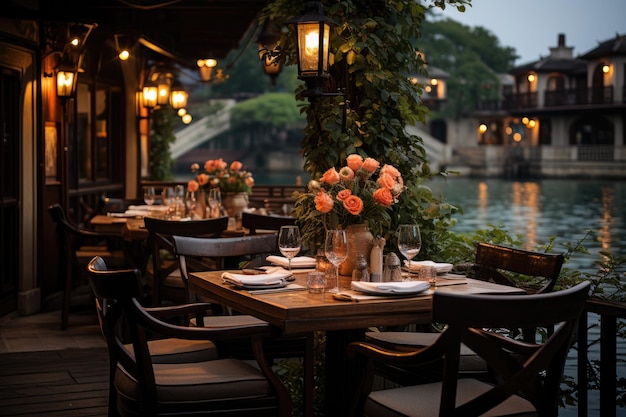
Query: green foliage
372	53
162	122
271	110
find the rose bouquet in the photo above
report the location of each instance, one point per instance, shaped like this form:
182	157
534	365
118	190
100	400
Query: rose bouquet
359	192
218	174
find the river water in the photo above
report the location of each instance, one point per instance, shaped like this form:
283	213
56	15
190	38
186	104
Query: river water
537	210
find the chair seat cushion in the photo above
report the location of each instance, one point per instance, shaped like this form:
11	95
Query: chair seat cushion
199	382
469	361
227	321
179	350
422	401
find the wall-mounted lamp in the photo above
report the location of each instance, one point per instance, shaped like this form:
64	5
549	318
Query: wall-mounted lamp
123	46
531	78
205	66
149	96
313	47
606	68
67	76
269	51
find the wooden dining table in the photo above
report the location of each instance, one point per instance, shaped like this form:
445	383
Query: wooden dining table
298	312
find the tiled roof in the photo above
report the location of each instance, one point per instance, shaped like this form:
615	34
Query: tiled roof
562	65
611	47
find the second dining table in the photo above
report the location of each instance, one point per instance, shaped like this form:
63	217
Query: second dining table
298	312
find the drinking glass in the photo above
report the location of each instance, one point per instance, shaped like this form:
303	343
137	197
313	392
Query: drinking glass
190	203
336	251
289	242
215	201
149	195
409	242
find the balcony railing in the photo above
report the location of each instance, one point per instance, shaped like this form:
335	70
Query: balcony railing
569	97
609	312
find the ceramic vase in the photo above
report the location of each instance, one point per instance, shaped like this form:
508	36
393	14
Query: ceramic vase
234	203
360	242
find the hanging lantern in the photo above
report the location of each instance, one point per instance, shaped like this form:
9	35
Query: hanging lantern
178	97
269	51
313	46
205	66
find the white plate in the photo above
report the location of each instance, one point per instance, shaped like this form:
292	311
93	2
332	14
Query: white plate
391	288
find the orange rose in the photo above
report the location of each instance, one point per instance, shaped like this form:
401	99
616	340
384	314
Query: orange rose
346	173
220	164
370	165
203	179
383	197
391	170
343	194
209	165
193	186
386	180
323	202
353	205
330	177
195	167
354	161
236	165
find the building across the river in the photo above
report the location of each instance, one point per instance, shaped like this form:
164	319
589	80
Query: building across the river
560	116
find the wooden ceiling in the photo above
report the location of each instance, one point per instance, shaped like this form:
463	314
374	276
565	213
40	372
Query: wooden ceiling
188	29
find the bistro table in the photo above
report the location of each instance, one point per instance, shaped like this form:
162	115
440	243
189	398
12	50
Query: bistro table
298	312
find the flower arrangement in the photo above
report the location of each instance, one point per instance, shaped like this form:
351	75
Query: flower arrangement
349	196
218	174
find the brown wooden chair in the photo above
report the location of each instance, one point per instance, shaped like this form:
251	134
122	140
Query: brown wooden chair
254	222
530	373
78	246
496	264
143	387
162	273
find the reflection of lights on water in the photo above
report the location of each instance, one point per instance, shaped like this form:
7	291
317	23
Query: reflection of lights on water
604	235
526	208
482	199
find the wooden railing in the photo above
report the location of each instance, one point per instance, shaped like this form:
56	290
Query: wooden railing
609	313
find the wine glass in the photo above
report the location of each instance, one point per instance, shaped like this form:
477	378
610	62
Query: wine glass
336	251
289	242
190	203
409	242
215	201
149	195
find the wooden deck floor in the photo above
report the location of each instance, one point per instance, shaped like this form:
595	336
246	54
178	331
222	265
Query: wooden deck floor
66	382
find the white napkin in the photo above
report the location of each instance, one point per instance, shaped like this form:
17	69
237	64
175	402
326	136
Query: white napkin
129	213
401	287
440	267
242	280
297	262
143	207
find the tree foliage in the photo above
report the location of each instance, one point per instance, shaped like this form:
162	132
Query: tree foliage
271	110
162	120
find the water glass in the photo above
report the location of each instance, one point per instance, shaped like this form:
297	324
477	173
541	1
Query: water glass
316	282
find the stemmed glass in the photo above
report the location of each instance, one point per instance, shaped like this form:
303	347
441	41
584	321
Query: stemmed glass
190	203
409	242
289	242
336	251
215	201
149	195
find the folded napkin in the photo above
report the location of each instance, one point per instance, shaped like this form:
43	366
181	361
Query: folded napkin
129	213
402	287
143	207
440	267
243	280
297	262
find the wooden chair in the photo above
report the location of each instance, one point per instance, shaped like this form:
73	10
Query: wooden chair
493	263
79	246
530	372
143	387
162	273
254	222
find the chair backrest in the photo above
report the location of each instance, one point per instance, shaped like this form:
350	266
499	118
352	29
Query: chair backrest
538	376
191	250
254	222
491	259
160	234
